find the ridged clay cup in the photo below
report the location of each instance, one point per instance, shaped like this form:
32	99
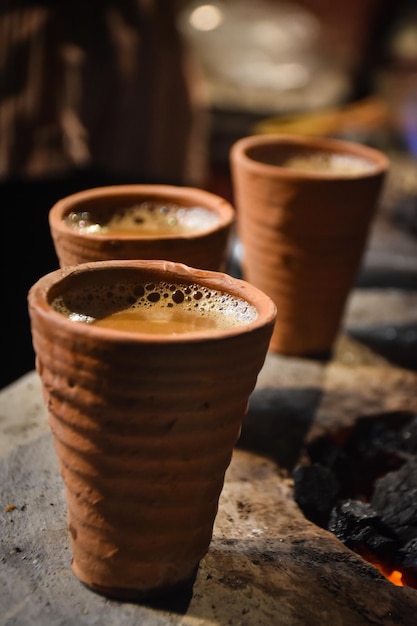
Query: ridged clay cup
303	229
205	246
144	424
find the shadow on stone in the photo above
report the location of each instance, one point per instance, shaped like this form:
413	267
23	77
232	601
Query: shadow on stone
395	342
387	277
277	421
175	599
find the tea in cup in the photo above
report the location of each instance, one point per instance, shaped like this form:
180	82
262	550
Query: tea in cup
146	368
182	224
304	208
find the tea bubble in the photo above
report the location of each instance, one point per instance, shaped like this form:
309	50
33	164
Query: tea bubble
145	219
159	307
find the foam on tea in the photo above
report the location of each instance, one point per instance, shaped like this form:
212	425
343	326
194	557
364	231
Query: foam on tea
155	308
327	162
147	219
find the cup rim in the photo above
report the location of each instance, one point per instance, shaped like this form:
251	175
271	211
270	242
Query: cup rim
239	154
186	196
42	292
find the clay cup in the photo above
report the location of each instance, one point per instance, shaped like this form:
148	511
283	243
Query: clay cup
183	224
144	421
304	209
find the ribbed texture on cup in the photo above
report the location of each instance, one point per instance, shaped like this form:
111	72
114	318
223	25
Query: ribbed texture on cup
144	433
206	251
143	446
303	237
309	279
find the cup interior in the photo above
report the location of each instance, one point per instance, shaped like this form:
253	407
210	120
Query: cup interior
310	158
137	211
174	296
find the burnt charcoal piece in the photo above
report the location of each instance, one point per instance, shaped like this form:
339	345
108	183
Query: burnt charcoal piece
359	527
362	486
374	446
395	499
407	556
315	491
407	440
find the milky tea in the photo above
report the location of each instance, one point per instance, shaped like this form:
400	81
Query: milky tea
154	307
144	219
302	159
322	162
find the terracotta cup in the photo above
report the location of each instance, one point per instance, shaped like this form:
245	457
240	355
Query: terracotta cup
304	209
185	224
144	421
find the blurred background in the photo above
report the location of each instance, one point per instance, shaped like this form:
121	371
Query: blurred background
133	91
313	66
